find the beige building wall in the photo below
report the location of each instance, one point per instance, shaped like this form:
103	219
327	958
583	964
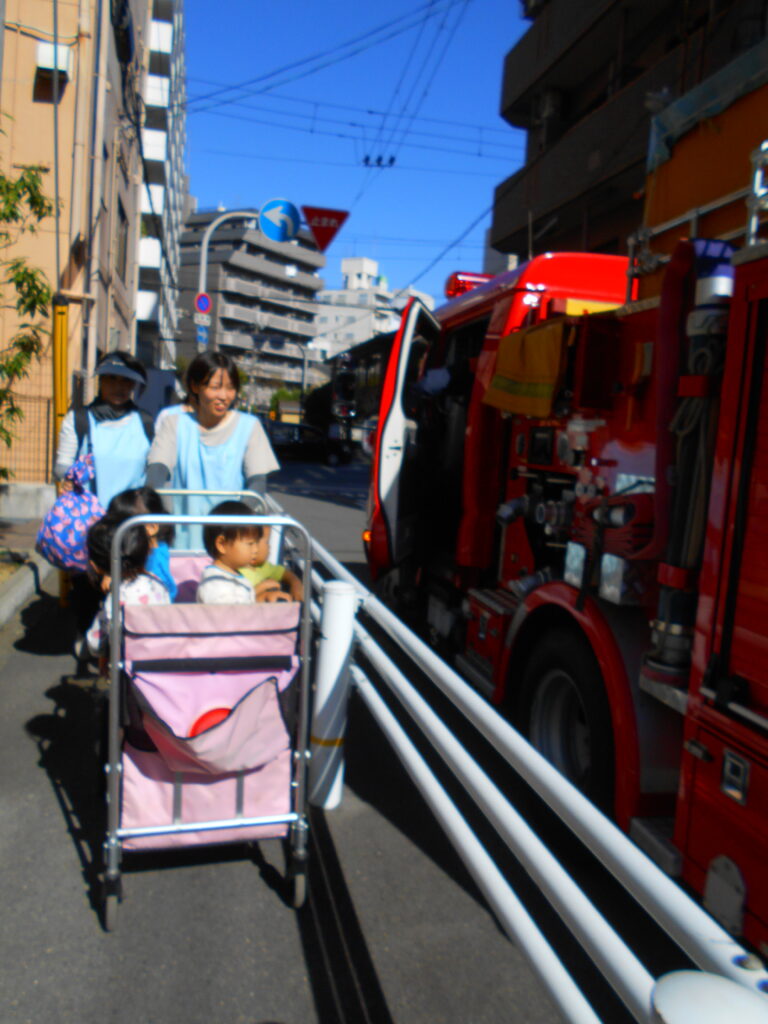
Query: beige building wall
99	179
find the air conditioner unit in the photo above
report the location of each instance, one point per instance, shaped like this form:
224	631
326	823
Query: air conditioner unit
531	8
48	61
550	104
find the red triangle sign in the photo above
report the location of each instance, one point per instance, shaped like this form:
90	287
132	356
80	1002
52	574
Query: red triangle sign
323	224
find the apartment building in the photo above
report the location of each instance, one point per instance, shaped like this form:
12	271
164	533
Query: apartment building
263	300
91	140
585	81
364	307
165	194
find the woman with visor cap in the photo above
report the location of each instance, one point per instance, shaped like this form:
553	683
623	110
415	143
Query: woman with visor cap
118	434
112	427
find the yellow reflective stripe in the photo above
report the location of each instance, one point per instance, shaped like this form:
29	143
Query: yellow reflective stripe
576	307
327	742
529	389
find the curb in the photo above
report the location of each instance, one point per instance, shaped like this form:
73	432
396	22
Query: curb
25	582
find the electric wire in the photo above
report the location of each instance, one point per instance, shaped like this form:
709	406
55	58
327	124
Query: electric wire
395	91
422	70
272	159
450	35
369	111
246	88
346	136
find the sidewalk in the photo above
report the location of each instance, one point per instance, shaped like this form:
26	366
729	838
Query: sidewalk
17	536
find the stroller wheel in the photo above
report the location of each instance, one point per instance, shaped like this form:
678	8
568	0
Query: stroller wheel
298	889
110	912
110	900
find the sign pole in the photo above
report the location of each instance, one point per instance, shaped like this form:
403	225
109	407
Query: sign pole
203	275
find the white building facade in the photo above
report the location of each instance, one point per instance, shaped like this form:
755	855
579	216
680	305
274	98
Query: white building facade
364	307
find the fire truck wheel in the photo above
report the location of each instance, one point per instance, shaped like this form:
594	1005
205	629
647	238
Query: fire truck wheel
563	710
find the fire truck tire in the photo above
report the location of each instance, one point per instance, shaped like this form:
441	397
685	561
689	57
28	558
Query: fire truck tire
563	711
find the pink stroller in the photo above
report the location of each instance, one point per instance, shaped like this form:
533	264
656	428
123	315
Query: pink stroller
208	720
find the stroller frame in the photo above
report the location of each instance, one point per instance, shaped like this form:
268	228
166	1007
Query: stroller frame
297	818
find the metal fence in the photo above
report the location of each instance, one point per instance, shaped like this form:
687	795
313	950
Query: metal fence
726	975
28	459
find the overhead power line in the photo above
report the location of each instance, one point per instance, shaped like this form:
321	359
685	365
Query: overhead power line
310	128
273	158
371	111
354	138
325	58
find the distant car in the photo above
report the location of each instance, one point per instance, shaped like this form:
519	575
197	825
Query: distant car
306	443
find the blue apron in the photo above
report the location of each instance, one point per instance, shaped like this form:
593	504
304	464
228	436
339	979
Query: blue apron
202	467
119	455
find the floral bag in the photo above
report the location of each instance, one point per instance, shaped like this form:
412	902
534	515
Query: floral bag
62	537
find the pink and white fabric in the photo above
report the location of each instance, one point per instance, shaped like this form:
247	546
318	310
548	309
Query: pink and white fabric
184	661
186	571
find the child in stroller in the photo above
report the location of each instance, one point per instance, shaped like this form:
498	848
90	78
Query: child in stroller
137	586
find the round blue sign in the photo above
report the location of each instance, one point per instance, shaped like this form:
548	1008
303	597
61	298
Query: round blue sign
202	302
279	220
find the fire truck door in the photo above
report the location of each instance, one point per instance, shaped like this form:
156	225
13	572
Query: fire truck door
398	452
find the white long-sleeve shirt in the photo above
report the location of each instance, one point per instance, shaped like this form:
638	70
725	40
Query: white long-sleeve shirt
142	589
222	586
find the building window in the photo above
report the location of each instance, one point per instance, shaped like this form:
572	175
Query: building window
121	247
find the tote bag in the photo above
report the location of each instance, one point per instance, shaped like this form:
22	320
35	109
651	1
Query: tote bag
62	538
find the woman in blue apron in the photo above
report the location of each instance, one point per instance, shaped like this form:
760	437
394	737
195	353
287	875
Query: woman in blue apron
118	435
111	427
213	447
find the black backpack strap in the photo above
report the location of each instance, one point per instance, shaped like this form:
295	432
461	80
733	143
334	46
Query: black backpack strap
83	430
148	423
82	426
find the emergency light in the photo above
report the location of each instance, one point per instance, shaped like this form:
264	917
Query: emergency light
463	281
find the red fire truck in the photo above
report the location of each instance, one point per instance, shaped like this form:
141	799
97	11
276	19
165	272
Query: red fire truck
575	508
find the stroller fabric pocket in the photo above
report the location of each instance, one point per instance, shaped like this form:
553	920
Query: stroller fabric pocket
250	730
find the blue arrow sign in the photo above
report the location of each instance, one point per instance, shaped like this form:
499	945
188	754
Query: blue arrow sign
279	220
202	335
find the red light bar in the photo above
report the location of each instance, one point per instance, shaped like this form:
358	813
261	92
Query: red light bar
463	281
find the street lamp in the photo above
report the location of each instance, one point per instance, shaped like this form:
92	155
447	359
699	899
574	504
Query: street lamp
248	215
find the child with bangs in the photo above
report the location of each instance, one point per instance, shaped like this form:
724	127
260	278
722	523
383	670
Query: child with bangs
139	501
232	548
137	586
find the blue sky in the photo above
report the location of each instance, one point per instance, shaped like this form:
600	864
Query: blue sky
323	86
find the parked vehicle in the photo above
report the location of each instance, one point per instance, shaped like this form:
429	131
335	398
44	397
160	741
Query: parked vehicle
573	507
355	391
307	443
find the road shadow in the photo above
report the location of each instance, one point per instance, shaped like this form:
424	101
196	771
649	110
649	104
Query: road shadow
69	741
369	760
49	629
345	985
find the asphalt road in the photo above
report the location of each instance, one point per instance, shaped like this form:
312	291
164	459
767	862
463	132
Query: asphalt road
393	931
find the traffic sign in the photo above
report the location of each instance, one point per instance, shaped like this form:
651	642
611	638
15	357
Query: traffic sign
202	335
279	220
324	224
203	319
202	303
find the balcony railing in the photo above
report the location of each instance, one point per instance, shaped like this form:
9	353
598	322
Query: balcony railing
157	91
150	252
611	139
161	36
147	305
157	194
154	144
